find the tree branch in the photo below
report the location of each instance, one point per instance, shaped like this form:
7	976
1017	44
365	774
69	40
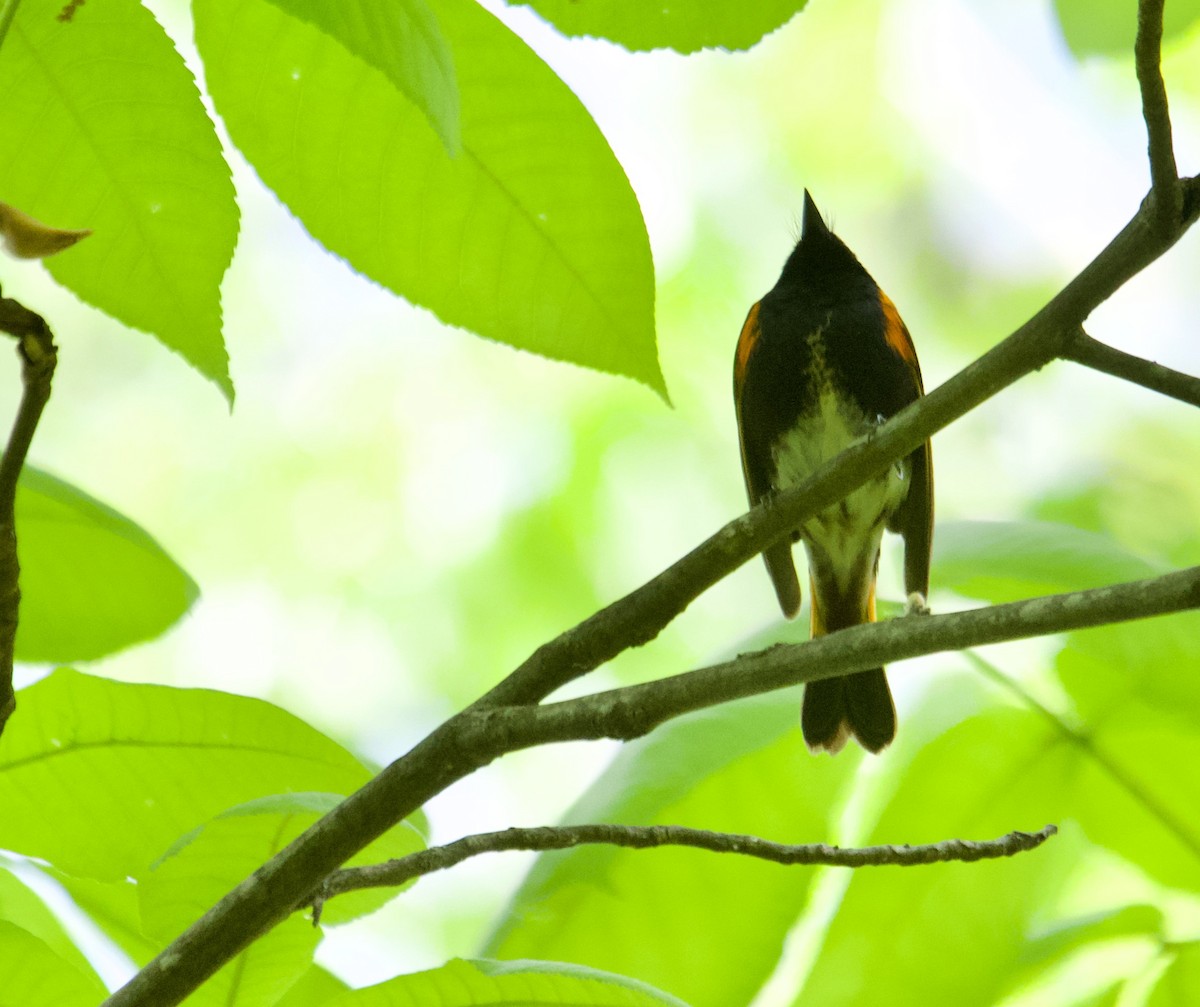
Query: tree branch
397	872
635	710
1083	349
1165	197
477	736
35	344
472	739
460	746
641	615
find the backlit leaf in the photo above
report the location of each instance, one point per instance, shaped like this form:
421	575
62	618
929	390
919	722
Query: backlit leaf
683	25
92	581
104	129
530	236
142	765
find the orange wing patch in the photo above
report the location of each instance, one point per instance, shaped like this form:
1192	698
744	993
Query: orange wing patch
745	346
894	332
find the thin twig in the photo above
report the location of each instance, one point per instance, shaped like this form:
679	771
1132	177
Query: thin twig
1165	196
35	345
397	872
1083	349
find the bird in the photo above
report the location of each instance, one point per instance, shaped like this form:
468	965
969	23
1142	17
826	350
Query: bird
822	360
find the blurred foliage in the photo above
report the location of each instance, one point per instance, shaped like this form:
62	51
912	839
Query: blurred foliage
41	976
1143	492
1108	27
20	905
398	513
1178	983
741	768
952	933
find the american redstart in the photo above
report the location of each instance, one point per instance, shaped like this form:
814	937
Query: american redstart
822	360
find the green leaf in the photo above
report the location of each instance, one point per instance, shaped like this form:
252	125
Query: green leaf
952	933
1045	958
402	40
739	768
1124	786
1144	662
683	25
315	988
461	983
1001	561
113	907
23	907
1108	997
1139	705
1137	729
1122	782
143	764
92	581
1108	27
1062	939
33	974
104	129
1145	491
206	863
1136	704
532	236
1136	801
265	971
643	993
1179	985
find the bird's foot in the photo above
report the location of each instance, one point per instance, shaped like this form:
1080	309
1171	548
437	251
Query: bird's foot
916	604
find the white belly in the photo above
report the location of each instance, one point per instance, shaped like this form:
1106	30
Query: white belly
849	532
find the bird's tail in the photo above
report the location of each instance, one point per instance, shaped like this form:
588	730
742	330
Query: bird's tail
857	705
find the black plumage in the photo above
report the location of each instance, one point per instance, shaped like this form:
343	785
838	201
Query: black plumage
823	359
